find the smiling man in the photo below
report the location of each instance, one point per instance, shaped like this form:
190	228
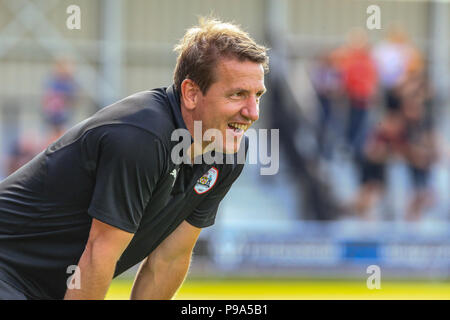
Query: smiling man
220	73
230	105
108	195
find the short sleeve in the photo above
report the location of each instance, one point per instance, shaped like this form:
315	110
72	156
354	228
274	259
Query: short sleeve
130	161
204	215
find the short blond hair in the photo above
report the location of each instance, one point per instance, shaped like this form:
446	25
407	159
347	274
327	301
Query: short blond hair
202	46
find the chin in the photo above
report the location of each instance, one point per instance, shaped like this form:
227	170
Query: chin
232	143
232	147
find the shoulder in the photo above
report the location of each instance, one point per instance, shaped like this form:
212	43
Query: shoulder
124	136
147	110
123	146
141	121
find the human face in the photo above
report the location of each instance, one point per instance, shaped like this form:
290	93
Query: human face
231	103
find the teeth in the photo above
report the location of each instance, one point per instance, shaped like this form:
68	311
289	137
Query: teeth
239	126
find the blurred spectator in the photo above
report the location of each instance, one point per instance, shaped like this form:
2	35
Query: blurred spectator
420	150
326	80
359	78
383	141
59	97
395	58
407	132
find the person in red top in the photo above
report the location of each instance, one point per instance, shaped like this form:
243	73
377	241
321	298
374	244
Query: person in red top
359	79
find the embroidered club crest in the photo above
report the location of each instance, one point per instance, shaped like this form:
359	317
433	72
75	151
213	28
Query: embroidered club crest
207	181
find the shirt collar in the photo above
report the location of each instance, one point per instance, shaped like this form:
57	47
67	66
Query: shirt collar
175	106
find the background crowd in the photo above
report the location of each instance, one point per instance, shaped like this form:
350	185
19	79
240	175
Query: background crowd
375	103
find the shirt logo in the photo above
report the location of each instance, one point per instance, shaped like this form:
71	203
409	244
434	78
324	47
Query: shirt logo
207	181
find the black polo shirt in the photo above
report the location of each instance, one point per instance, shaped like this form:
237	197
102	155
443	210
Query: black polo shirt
116	167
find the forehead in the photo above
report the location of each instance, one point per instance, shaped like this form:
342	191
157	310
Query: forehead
232	72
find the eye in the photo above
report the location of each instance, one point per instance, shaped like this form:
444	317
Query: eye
259	95
238	94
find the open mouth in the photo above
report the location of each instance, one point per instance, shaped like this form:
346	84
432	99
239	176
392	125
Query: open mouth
238	127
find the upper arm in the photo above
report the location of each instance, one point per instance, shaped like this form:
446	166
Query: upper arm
204	214
179	243
129	164
107	240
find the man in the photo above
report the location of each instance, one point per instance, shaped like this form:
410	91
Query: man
108	194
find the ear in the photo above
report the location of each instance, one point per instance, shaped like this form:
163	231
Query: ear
189	94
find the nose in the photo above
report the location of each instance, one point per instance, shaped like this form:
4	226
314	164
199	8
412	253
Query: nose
251	109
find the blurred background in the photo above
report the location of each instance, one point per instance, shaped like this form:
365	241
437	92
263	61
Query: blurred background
360	96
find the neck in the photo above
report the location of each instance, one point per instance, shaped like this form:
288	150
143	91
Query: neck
196	148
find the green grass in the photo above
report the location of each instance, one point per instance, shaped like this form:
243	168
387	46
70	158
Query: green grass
295	289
